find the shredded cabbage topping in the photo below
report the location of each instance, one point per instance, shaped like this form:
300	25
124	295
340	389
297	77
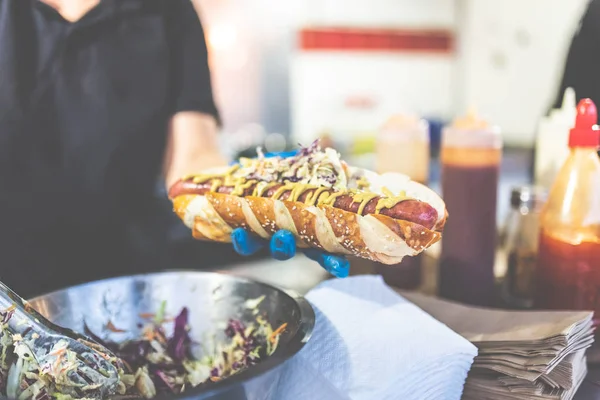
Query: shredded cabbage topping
312	165
154	364
24	377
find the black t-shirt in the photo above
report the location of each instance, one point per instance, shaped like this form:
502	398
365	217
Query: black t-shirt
581	66
84	109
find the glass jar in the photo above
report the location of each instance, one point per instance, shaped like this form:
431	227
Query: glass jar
520	245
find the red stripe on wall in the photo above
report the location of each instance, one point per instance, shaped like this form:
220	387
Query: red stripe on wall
384	40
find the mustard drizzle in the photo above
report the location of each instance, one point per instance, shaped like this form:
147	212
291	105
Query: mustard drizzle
262	187
363	198
215	185
320	196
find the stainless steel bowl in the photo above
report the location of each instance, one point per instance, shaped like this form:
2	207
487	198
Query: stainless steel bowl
212	298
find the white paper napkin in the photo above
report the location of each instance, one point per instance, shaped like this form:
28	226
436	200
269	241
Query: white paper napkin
370	343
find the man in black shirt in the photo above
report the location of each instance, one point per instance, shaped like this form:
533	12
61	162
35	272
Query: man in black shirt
583	59
96	97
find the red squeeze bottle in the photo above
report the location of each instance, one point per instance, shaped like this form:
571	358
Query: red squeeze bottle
568	266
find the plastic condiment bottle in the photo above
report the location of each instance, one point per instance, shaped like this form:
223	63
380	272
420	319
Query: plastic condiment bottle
402	146
568	268
471	154
551	149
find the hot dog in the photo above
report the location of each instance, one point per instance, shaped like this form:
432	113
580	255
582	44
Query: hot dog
408	210
316	196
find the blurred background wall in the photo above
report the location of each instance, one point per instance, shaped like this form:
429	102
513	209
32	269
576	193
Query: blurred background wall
304	67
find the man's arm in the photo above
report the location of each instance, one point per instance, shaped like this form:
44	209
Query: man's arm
192	133
191	145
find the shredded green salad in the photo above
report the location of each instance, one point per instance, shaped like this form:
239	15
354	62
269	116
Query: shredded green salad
311	165
153	364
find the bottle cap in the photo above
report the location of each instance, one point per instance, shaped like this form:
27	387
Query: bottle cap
471	121
585	133
400	121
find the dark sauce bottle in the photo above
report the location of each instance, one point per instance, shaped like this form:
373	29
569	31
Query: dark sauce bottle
471	154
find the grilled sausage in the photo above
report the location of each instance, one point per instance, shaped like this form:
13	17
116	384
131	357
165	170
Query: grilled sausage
410	210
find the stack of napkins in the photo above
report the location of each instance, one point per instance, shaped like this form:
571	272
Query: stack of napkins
370	343
500	386
522	355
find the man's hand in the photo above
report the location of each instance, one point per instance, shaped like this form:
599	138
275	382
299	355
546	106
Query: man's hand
282	245
191	146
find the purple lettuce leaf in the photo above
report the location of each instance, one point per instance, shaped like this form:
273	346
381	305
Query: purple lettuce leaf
235	326
165	380
7	316
311	149
178	345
